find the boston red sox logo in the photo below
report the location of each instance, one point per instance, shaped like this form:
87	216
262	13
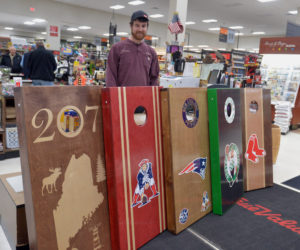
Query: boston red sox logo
253	151
144	181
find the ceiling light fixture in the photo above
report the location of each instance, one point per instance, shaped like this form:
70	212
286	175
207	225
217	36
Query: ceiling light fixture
136	2
155	38
202	46
122	33
188	46
258	33
29	23
39	20
44	33
209	21
236	27
77	37
221	49
72	29
84	27
238	34
266	1
214	29
189	23
293	12
106	34
156	15
8	28
117	7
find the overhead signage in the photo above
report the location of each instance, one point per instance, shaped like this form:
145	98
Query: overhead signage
226	35
280	45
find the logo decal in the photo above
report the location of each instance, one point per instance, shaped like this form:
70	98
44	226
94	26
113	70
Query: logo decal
253	151
229	110
197	166
190	112
144	181
184	214
205	202
231	163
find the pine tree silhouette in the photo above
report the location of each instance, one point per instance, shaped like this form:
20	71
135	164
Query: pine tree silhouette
101	175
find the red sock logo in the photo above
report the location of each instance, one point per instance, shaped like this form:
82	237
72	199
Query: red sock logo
258	151
250	155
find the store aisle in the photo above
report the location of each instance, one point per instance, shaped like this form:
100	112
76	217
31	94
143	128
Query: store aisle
287	167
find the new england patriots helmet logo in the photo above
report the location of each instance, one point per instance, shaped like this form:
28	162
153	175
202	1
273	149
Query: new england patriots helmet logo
197	166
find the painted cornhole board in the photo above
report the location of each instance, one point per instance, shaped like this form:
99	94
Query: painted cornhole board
186	156
134	165
225	132
257	138
62	160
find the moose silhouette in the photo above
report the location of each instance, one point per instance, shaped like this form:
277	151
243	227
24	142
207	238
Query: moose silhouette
51	180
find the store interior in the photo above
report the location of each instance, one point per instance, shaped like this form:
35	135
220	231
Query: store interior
236	45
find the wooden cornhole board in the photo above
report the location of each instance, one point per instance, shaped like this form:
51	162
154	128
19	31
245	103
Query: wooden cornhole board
225	132
134	165
186	156
62	159
257	138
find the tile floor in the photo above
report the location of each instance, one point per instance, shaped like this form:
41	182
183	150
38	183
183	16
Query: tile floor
287	167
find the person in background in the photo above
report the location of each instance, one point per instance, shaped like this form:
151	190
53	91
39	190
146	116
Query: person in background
41	65
132	62
12	60
24	64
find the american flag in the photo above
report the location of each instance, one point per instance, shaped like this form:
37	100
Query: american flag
175	26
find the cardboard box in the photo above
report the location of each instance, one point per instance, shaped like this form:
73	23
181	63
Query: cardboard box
186	156
12	210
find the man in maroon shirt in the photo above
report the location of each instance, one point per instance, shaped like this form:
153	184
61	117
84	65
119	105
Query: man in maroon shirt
132	62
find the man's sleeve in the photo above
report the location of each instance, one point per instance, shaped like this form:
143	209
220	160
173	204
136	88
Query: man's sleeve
112	68
154	71
53	63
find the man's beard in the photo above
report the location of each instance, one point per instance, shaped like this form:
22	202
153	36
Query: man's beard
138	35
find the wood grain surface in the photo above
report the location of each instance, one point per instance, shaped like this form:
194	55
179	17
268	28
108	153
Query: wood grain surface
183	145
63	172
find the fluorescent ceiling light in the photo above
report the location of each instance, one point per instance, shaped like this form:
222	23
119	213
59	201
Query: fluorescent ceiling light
242	49
258	33
156	15
136	2
207	49
210	21
203	46
188	46
293	12
239	34
39	20
106	34
84	27
29	23
8	28
155	38
117	7
72	29
265	1
236	27
122	33
77	37
189	23
214	29
194	49
221	49
44	33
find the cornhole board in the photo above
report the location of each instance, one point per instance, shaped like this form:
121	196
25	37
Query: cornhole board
225	133
12	210
186	156
257	138
62	160
134	165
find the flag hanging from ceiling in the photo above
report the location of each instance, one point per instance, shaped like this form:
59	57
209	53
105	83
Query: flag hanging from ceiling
175	26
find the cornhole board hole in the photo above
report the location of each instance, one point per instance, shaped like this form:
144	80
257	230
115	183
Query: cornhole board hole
225	132
257	138
134	165
62	160
186	156
12	210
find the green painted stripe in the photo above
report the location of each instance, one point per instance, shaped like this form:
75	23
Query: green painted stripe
214	150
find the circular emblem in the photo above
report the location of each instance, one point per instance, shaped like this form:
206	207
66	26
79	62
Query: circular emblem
232	163
190	112
184	214
229	110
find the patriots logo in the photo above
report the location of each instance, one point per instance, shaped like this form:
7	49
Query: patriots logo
197	166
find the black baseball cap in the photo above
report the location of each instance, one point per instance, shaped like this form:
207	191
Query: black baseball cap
141	15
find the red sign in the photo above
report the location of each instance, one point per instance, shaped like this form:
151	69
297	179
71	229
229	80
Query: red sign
280	45
53	30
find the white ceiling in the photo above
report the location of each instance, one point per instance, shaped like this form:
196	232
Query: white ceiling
254	16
